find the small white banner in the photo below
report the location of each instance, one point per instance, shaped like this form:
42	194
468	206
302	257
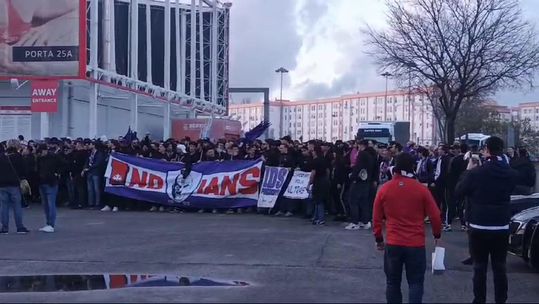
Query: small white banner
274	179
297	189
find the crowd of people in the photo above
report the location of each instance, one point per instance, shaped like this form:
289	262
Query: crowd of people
70	173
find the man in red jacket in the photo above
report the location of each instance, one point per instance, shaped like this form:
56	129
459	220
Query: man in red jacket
402	205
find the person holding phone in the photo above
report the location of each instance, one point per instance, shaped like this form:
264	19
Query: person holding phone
487	187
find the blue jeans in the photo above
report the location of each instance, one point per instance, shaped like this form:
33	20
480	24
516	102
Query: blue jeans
415	261
319	211
48	199
10	197
94	190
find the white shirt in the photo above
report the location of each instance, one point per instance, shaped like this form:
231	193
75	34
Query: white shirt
438	171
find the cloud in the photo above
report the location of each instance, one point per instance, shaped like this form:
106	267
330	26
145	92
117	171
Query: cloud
321	43
263	38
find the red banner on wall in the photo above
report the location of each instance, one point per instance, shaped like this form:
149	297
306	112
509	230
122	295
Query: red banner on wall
45	96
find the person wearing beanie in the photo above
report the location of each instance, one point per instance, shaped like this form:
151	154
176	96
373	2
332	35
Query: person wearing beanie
401	206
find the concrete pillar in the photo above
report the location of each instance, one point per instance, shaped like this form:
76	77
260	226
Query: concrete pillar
134	39
94	24
134	114
45	125
166	121
92	111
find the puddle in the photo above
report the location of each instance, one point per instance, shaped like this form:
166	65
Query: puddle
55	283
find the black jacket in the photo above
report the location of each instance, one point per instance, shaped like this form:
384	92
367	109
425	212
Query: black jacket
79	159
365	168
488	190
526	171
340	171
305	163
95	165
49	168
287	160
11	170
457	166
442	179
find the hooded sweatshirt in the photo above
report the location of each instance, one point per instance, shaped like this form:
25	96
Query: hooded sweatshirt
488	189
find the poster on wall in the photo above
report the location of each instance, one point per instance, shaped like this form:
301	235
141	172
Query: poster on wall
42	38
15	121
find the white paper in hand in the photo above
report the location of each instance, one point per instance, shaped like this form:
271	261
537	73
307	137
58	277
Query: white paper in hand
438	257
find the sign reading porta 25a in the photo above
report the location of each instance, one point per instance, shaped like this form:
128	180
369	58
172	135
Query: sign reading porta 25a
44	54
42	39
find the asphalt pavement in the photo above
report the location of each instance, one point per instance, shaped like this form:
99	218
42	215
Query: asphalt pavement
283	259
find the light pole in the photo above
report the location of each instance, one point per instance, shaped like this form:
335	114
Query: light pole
282	71
386	75
410	66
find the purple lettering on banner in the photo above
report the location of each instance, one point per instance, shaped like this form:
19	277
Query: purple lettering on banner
274	179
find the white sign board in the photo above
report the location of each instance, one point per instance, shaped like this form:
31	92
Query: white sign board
297	189
15	121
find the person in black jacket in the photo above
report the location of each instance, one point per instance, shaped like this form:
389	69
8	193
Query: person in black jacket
286	160
440	180
361	178
93	174
12	170
488	190
526	173
455	206
79	157
339	175
320	183
49	168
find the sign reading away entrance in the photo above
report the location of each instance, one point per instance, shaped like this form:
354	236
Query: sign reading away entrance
45	96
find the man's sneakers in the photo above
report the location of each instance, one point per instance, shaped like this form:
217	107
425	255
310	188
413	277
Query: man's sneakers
352	226
447	228
161	209
279	213
47	229
358	226
289	214
106	209
22	230
153	209
319	223
115	209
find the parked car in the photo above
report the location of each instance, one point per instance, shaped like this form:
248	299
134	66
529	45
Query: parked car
520	203
524	238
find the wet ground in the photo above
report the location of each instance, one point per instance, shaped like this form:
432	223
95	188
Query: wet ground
282	259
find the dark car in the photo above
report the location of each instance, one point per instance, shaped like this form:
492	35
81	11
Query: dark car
520	203
524	238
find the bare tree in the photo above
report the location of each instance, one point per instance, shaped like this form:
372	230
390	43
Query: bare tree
456	50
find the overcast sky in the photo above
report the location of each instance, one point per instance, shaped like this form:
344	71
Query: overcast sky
320	42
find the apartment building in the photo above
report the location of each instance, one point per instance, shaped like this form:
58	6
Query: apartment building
530	110
338	118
